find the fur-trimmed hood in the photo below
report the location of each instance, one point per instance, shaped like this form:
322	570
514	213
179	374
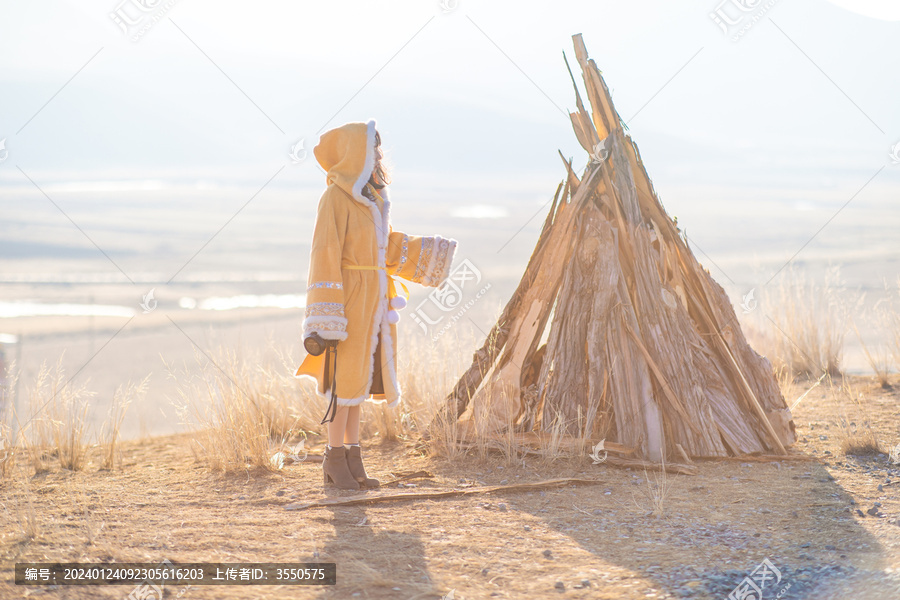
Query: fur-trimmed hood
347	153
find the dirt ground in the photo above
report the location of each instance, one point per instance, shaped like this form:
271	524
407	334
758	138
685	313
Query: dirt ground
632	535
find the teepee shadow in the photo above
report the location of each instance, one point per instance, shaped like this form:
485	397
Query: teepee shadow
782	525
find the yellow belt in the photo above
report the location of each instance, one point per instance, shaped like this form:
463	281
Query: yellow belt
392	286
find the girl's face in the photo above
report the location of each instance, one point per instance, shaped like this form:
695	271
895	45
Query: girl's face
378	156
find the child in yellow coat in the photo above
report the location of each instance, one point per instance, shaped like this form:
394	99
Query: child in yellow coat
352	297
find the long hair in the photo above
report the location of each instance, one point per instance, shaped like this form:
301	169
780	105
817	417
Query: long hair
378	170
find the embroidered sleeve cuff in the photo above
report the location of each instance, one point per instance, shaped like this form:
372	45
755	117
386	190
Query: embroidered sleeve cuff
327	319
330	328
439	264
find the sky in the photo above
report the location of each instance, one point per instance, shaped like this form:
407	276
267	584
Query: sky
215	84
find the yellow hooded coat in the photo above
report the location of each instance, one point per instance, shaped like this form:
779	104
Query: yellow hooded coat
353	306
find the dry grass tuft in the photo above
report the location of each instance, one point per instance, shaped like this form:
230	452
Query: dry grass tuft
879	361
785	378
893	328
888	315
426	377
509	445
26	516
655	493
857	435
58	422
8	452
108	437
551	449
389	423
244	410
445	437
863	444
88	504
809	325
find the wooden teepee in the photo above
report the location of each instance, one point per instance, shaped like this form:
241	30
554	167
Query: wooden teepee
643	348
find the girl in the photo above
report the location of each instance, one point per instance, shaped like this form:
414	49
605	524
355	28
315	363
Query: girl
352	297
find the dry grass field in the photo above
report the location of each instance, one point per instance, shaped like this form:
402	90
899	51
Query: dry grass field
828	518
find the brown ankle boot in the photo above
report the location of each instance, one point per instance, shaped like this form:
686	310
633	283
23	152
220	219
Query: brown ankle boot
335	469
354	461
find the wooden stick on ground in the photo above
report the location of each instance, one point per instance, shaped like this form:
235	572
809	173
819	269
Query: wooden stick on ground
516	487
761	458
635	463
410	475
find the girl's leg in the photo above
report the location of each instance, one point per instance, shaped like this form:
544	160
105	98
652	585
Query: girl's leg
351	433
338	425
354	456
335	467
